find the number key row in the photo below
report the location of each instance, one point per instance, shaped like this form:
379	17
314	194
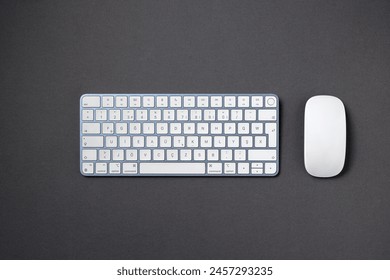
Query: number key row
179	115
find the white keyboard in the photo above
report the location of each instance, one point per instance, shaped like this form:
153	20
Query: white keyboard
179	134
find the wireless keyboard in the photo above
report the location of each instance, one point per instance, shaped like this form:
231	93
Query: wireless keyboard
179	134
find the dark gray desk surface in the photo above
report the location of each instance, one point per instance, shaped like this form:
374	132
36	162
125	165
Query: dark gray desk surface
53	51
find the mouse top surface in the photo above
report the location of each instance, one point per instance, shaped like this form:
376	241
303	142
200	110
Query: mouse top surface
325	136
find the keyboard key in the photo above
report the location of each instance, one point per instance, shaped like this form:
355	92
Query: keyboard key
162	101
151	141
243	101
104	155
265	155
239	155
169	115
118	155
233	141
138	141
111	141
223	115
142	115
185	155
250	115
135	101
87	115
91	101
257	171
155	115
108	101
209	115
257	101
246	141
158	154
189	101
179	141
257	165
189	128
165	141
175	101
216	128
206	141
89	155
257	128
212	155
219	141
270	101
192	141
130	168
182	115
267	115
145	154
260	141
148	128
124	141
91	128
148	101
270	129
162	128
172	168
243	168
230	101
101	115
199	154
270	168
172	154
121	128
214	168
203	101
114	115
202	128
243	128
236	115
128	115
226	155
101	168
131	155
216	101
230	128
196	115
230	168
135	128
92	141
175	128
115	168
88	168
121	101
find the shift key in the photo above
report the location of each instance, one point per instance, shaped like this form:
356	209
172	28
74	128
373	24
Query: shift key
260	155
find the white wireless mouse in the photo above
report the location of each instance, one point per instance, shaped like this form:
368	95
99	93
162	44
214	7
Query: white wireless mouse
325	136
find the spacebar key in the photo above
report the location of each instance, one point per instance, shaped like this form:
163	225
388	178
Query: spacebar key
172	168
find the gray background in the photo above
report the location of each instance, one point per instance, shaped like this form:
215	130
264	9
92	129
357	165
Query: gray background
54	51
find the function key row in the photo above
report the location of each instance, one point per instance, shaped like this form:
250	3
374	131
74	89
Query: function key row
178	101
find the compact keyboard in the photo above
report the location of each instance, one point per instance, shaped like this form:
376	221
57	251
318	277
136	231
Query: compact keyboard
179	134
